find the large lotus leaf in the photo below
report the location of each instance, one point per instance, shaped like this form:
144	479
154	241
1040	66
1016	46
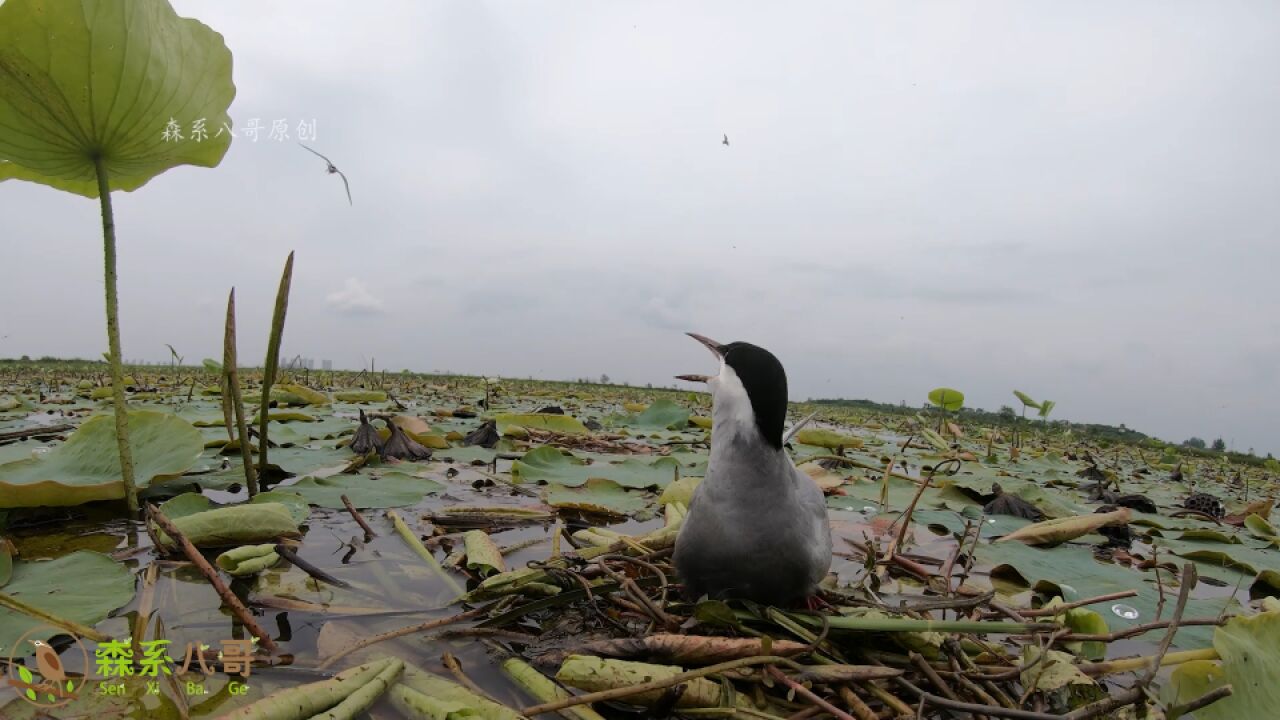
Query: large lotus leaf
192	503
1073	572
548	464
393	489
88	78
663	414
100	585
539	421
830	439
947	399
87	467
235	525
297	395
1249	648
1059	530
596	495
1026	399
976	487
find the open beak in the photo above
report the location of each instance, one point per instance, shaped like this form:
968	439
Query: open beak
716	349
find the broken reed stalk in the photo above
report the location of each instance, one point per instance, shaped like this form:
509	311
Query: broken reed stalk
860	709
401	632
1059	609
369	534
1123	665
807	694
1208	698
11	603
416	545
905	519
115	360
660	684
273	358
229	598
291	557
914	625
798	427
455	668
231	381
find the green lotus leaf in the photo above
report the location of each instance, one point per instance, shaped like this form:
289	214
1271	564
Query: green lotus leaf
1260	528
482	554
1249	648
361	396
235	525
112	79
549	464
87	467
664	415
680	491
248	560
539	421
830	439
1026	399
393	489
297	395
101	585
947	399
192	503
596	495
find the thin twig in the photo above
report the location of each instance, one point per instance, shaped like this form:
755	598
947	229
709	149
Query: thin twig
229	598
369	534
808	694
401	632
798	426
659	684
860	709
455	668
1208	698
292	558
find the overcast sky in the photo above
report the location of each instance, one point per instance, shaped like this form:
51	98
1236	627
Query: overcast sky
1078	200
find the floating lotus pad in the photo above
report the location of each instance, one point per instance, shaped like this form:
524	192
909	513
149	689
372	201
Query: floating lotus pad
87	467
101	585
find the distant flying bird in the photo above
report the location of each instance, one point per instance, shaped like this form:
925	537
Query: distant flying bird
49	664
332	169
726	141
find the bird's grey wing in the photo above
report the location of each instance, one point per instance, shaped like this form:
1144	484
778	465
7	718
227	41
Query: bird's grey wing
313	152
815	503
346	185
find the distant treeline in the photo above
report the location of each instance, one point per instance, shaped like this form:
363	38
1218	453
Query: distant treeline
1007	417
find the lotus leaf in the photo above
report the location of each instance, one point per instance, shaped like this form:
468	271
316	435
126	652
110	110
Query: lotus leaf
86	467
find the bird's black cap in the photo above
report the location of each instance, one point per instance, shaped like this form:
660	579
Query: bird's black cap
763	378
766	383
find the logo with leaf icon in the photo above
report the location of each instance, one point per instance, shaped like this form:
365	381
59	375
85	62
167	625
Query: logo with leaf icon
47	685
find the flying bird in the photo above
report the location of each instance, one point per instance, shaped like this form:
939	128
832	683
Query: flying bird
332	169
757	527
49	664
726	141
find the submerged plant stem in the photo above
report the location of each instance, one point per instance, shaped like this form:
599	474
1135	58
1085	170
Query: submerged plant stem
9	602
115	359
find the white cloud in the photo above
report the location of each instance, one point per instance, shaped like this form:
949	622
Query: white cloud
355	299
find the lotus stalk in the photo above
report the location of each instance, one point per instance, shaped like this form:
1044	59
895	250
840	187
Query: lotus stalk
114	356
